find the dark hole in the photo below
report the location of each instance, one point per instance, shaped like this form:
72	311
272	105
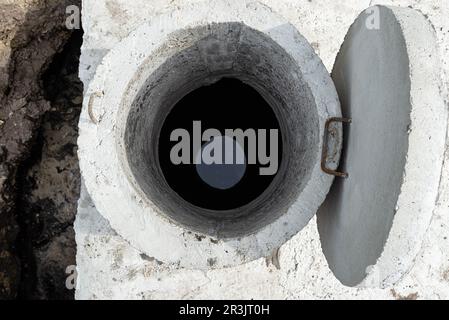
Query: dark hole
226	104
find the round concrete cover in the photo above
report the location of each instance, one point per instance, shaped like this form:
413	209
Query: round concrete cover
387	77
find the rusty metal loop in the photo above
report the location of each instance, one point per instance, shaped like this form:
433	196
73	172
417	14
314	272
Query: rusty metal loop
325	151
90	105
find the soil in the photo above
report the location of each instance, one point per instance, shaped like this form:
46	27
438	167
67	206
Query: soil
40	101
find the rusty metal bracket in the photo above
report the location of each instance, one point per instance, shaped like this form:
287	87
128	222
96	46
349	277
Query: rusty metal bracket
90	105
325	151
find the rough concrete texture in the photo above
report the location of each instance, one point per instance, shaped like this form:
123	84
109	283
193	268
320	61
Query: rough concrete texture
389	84
109	267
267	53
31	33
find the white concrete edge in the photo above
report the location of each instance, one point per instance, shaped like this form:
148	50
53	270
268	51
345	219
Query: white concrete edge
427	141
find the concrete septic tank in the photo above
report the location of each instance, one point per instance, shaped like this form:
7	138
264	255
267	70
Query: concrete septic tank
145	75
371	224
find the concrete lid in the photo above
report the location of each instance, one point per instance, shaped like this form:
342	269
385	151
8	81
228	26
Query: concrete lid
387	77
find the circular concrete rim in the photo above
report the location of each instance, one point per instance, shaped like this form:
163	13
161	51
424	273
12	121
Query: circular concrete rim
207	54
418	193
99	151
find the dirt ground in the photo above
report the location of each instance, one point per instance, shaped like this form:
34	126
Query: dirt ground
40	100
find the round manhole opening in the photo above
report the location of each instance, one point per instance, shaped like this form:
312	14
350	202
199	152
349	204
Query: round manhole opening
220	146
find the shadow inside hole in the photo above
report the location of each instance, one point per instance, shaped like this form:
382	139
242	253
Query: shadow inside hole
226	104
